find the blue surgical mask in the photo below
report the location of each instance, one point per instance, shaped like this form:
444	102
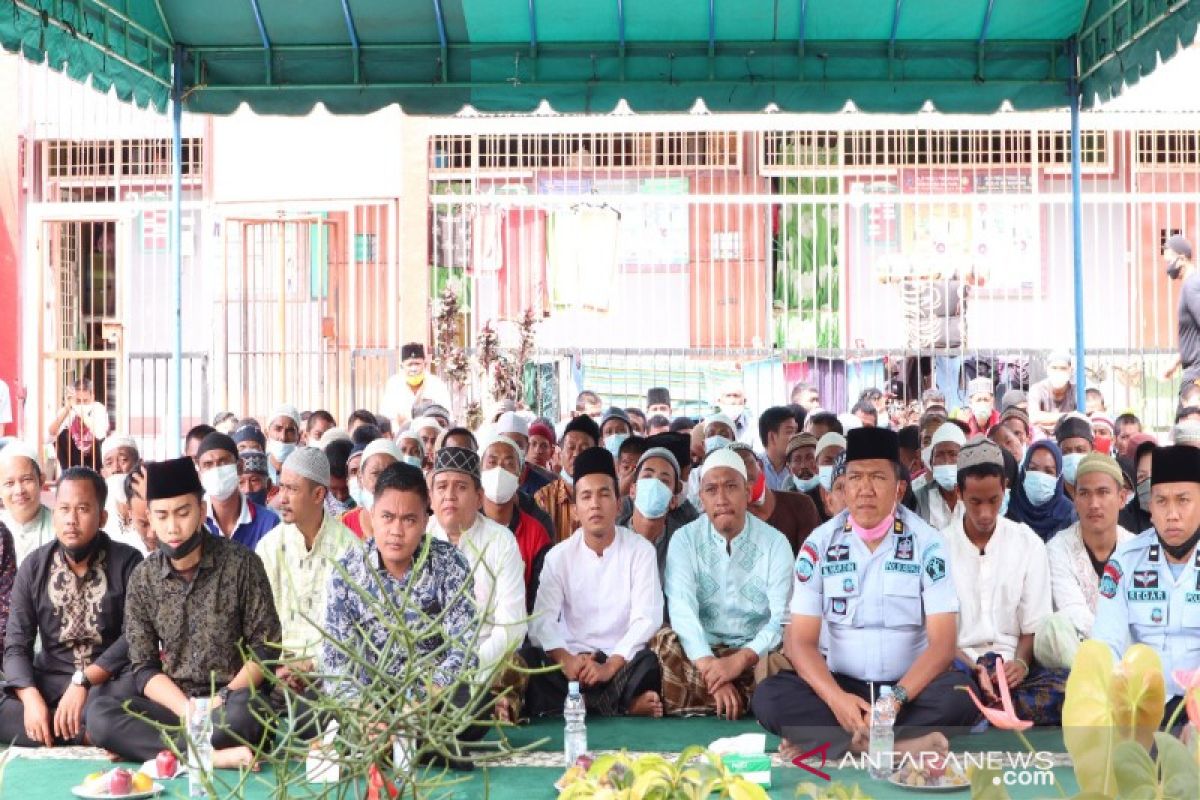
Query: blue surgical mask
366	499
808	484
259	497
1004	505
825	477
1039	487
715	443
613	442
1071	467
356	491
280	450
412	461
652	498
946	476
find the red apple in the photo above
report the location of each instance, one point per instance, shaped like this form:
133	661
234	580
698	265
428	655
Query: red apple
120	782
166	764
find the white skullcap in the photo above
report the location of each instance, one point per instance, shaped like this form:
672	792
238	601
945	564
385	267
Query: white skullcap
334	435
421	423
849	422
1187	432
285	410
381	447
516	448
309	462
831	439
947	432
113	443
416	437
723	458
512	422
718	419
17	448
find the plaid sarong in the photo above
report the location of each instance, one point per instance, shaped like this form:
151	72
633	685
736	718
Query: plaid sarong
684	692
1040	696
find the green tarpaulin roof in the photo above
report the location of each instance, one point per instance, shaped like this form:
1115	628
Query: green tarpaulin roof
435	56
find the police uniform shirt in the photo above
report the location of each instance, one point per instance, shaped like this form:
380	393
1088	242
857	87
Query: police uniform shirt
1141	601
874	604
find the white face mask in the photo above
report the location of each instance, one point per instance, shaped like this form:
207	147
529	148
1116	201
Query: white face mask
221	482
946	476
280	450
734	412
499	485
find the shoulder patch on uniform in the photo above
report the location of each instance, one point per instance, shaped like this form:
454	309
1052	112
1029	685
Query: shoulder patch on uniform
935	568
806	562
1110	578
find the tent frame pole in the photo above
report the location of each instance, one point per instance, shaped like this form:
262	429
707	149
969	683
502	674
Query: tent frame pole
1077	226
175	415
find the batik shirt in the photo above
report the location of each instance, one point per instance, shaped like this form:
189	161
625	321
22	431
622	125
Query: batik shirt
1143	602
193	631
437	585
874	604
733	593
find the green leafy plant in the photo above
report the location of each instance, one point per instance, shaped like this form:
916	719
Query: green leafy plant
694	775
1173	775
831	791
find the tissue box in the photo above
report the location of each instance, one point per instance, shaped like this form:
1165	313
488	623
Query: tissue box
754	768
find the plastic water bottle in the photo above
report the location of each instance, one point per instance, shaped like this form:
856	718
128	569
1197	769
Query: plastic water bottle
575	732
200	750
882	745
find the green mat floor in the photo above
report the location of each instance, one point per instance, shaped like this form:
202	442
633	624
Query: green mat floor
43	779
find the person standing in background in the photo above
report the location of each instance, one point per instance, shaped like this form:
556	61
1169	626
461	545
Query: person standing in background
80	427
1177	253
411	386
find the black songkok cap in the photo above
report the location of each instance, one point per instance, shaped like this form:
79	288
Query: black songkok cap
584	424
1178	463
412	350
177	477
658	396
868	444
597	460
680	445
1072	428
909	437
216	441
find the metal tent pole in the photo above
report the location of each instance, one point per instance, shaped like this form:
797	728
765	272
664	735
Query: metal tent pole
175	413
1077	226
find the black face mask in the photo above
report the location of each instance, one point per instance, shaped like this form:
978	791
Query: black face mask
1174	269
1180	551
259	497
79	555
184	548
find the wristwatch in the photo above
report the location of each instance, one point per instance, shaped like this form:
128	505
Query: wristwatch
80	679
899	693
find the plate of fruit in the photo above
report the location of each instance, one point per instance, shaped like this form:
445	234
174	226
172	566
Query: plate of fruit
577	771
119	782
936	776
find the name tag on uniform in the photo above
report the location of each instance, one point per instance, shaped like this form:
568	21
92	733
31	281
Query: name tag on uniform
839	568
1146	595
1192	597
905	569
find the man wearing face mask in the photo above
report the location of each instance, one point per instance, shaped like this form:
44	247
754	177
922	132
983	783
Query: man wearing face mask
654	498
716	432
70	597
615	428
1177	253
194	582
728	579
1052	398
254	478
501	462
299	557
794	515
283	435
731	403
802	463
1074	436
1002	578
1135	516
120	456
456	495
229	513
981	415
1150	589
829	447
412	388
937	491
579	434
877	579
376	457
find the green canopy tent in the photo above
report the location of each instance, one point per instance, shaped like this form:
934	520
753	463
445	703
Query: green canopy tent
436	56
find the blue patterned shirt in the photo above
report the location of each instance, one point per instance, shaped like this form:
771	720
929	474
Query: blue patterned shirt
734	593
437	591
